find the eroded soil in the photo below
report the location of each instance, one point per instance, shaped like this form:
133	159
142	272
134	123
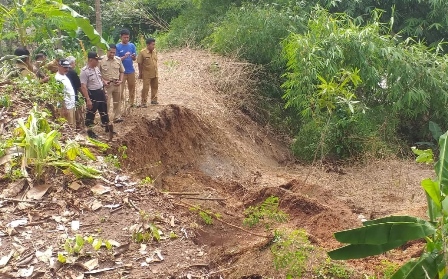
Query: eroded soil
197	141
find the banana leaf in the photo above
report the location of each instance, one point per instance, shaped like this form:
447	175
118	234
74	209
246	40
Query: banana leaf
425	267
81	22
384	233
359	251
391	219
441	166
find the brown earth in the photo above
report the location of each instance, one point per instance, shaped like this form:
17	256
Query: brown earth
198	140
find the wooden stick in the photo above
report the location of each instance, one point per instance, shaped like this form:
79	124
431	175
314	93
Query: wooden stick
133	205
182	193
203	199
220	220
19	200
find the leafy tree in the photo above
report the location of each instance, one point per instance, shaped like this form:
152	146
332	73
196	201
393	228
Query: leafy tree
404	78
31	21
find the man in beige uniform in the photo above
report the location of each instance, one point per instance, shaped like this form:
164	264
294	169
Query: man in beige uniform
112	71
147	66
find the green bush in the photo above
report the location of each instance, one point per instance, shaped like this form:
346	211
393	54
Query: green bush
365	134
338	64
254	32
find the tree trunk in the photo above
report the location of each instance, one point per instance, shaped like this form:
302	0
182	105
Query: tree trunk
98	23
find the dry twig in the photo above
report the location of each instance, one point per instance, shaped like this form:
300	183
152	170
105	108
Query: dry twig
188	206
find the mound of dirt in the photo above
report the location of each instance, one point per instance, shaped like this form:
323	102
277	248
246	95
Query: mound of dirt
199	141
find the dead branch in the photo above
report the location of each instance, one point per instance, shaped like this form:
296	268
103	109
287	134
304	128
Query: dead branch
188	206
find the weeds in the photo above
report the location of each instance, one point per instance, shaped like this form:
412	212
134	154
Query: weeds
146	180
331	270
113	160
205	215
75	247
5	101
267	212
145	230
291	252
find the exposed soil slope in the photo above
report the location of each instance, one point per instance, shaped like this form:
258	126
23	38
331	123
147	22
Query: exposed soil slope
198	140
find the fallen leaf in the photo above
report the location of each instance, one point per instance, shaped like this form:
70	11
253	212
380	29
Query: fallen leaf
75	225
99	189
37	192
172	221
79	276
142	249
19	248
16	223
96	205
159	254
75	186
121	249
5	259
114	243
89	265
45	255
25	261
100	270
25	272
112	206
13	188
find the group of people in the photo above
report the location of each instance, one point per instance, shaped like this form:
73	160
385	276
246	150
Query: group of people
101	81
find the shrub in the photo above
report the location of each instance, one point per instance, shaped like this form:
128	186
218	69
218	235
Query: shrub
254	32
402	79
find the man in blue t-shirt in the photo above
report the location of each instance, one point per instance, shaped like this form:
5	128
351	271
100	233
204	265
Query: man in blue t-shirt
127	53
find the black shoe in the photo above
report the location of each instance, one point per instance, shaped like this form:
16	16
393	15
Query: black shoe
110	129
154	103
118	120
91	134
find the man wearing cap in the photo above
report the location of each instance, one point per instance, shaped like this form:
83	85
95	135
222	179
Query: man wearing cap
67	109
127	53
112	71
147	67
92	88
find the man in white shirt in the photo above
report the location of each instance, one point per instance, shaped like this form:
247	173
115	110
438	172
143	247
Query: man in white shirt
67	109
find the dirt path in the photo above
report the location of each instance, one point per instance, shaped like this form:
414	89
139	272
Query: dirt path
198	140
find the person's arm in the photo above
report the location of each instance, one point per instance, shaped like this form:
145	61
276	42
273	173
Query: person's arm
140	64
134	50
86	95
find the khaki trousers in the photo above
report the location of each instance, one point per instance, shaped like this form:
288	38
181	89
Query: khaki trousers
130	80
147	83
69	115
80	113
114	100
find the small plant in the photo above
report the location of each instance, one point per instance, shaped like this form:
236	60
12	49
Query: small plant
146	180
113	160
42	148
266	212
205	215
145	230
122	150
173	235
332	270
291	251
388	269
101	145
5	101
